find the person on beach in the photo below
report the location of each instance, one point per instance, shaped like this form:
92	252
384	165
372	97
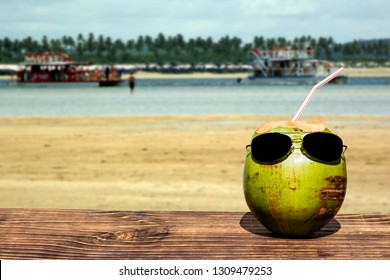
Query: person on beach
107	72
131	82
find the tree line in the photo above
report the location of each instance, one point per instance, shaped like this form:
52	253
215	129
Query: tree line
176	50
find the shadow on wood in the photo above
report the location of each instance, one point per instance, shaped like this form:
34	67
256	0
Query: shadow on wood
251	224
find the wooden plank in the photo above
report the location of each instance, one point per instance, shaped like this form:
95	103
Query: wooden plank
87	234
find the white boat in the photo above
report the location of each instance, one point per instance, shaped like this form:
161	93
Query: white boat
285	66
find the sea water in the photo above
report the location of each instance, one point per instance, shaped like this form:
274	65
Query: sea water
360	97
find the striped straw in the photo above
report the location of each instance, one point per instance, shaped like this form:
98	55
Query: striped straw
313	90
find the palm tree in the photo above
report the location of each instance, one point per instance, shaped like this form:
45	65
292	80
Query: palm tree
160	41
68	43
91	43
149	43
139	45
259	42
29	45
55	45
281	42
180	41
80	46
45	43
100	46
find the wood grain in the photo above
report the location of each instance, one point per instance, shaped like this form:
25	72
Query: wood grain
87	234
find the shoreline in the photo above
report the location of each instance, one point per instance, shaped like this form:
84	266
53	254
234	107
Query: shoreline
162	163
350	72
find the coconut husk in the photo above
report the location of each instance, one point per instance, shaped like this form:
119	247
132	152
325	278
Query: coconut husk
305	126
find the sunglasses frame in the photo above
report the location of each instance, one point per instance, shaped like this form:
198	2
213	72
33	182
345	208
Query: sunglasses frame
297	139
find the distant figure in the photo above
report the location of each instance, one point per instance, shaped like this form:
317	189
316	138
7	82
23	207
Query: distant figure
131	82
107	72
120	71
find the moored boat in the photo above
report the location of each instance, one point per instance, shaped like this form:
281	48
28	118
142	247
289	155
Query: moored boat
110	83
286	66
58	69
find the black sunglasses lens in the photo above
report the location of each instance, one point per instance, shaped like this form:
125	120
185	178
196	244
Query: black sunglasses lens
322	146
270	147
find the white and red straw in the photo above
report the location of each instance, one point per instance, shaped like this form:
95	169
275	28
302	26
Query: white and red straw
313	90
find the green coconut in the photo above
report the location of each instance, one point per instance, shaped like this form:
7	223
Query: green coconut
297	196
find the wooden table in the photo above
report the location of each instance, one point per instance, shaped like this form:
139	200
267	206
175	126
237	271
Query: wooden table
87	234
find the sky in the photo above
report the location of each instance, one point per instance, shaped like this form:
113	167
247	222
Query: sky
344	20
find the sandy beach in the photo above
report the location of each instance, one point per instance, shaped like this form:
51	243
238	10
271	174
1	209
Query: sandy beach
350	72
165	163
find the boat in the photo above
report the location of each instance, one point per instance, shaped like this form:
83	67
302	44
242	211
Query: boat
58	69
286	66
110	83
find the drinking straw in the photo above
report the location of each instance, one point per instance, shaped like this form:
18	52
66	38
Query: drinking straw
313	90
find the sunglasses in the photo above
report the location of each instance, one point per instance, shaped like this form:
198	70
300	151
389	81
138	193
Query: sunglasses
274	147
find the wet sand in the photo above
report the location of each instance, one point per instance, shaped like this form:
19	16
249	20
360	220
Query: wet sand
165	163
350	72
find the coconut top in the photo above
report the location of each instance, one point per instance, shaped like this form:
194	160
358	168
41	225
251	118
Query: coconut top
305	126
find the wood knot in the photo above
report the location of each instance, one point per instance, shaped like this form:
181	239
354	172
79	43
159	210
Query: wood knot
147	234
